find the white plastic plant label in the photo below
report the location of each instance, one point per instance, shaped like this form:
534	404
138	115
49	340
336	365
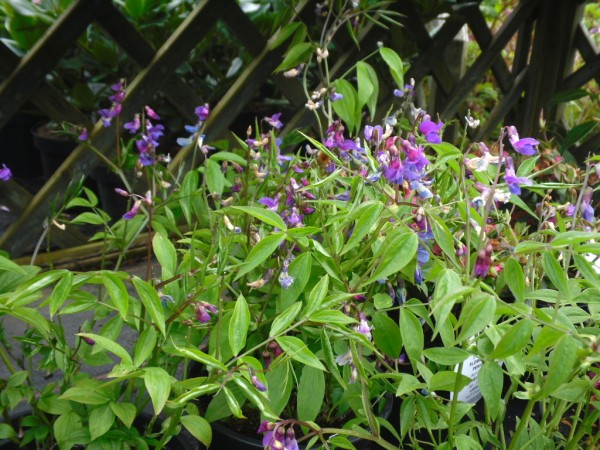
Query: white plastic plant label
471	393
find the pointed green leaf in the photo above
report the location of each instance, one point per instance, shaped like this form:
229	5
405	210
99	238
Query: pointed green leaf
110	345
151	301
238	327
316	296
165	254
264	215
448	356
368	86
394	63
491	378
515	279
477	313
311	392
144	346
412	334
101	420
9	266
198	427
514	340
297	350
562	360
386	335
397	250
126	412
158	384
261	251
283	320
60	293
117	292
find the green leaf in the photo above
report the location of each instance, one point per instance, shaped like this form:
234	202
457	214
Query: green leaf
85	395
60	293
261	251
144	346
394	63
515	279
368	87
255	397
65	427
443	237
300	269
117	292
158	384
397	250
347	107
32	317
110	345
6	431
214	177
491	378
448	356
554	271
386	335
573	237
280	381
331	316
316	296
369	215
408	383
233	404
198	427
101	420
283	320
577	134
264	215
9	266
295	55
311	392
562	360
201	357
477	313
165	254
446	380
514	340
575	391
297	350
381	300
238	327
412	334
151	301
126	412
88	218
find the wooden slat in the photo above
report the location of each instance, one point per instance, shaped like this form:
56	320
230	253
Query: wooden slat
591	69
48	99
239	23
15	197
485	60
500	111
238	95
484	37
44	56
586	47
82	160
141	52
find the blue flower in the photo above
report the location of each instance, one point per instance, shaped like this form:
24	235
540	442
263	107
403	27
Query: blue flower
525	146
512	180
431	131
5	173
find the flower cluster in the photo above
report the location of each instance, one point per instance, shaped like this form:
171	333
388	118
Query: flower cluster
277	437
108	114
149	136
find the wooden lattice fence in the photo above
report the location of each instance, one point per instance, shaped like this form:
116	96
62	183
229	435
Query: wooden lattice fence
547	34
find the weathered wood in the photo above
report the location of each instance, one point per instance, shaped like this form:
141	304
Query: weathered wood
587	49
485	60
141	52
239	23
82	160
49	100
484	37
551	59
44	56
15	197
591	69
500	111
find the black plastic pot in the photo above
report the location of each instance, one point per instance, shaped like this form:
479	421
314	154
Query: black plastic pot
17	149
53	149
113	204
224	438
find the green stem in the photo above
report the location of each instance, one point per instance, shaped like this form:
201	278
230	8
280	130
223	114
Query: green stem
522	424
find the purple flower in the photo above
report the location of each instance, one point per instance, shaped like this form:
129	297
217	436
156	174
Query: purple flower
290	440
271	203
431	131
151	113
525	146
83	135
587	211
106	116
363	326
5	173
202	311
134	125
483	261
257	383
422	190
335	96
122	192
133	211
202	112
373	133
285	280
394	171
512	180
274	121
